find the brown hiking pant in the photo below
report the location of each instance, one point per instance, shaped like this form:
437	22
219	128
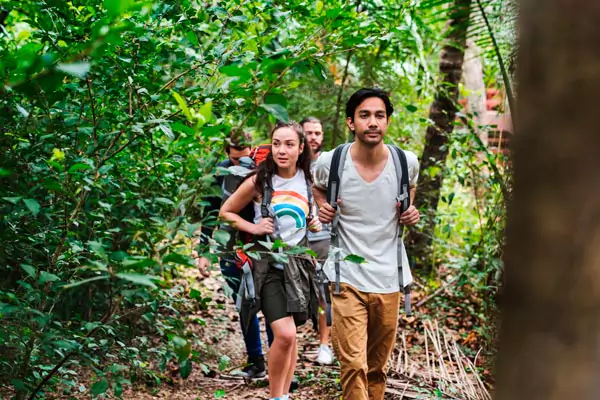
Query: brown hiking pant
363	336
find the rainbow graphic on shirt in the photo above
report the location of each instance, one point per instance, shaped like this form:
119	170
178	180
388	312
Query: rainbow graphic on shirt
290	204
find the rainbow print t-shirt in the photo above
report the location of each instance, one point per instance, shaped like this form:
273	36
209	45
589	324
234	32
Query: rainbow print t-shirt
290	203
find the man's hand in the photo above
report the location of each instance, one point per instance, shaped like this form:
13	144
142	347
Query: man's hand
202	263
327	212
264	227
410	217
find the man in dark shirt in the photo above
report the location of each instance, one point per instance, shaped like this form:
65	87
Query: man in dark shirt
237	146
235	149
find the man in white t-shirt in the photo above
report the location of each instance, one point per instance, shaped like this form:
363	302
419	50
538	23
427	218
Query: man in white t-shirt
319	241
365	313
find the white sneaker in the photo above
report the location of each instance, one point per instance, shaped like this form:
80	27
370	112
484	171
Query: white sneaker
325	355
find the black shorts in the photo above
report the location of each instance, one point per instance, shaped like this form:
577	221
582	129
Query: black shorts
274	299
321	247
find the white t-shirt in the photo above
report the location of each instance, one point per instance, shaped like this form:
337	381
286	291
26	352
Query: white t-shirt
290	203
368	225
324	233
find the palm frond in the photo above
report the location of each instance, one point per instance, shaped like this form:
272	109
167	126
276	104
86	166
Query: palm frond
493	28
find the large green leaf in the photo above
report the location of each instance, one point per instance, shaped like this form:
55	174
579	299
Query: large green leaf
30	270
355	259
277	110
32	205
185	368
182	348
183	106
99	387
139	279
78	70
222	237
85	281
47	277
178	259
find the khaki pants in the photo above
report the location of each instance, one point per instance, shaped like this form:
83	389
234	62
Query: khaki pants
363	335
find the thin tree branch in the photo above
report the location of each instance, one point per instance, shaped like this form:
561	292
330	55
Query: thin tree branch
110	312
93	107
120	149
166	85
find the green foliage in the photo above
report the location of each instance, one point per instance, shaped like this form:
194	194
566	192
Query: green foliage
114	114
113	117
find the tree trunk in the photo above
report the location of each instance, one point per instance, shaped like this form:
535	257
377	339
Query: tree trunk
549	343
442	113
337	128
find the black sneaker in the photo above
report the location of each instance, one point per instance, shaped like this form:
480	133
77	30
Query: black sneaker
294	384
255	369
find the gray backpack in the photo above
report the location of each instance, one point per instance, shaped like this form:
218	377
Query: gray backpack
403	198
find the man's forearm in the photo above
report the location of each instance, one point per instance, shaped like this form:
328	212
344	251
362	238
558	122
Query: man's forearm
320	196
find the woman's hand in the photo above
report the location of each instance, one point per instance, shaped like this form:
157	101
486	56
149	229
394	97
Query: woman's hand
314	225
264	227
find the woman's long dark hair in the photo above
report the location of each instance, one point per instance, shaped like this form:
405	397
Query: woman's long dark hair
268	168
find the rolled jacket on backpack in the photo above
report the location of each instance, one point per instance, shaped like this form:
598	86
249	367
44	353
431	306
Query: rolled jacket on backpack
300	286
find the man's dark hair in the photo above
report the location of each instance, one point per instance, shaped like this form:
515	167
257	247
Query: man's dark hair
237	141
365	93
313	120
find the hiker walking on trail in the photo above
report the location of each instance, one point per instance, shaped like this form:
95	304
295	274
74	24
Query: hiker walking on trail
367	184
284	287
237	147
319	241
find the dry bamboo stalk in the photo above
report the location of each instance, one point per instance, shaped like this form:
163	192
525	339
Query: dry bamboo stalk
398	360
405	352
451	361
440	354
429	333
473	368
404	391
450	376
429	367
463	373
483	388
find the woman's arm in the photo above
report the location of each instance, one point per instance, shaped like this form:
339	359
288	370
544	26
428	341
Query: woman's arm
230	210
243	196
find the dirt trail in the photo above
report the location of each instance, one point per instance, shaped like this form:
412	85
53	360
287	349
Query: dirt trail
426	363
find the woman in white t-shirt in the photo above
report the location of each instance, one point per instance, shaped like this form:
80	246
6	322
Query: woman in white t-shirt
286	291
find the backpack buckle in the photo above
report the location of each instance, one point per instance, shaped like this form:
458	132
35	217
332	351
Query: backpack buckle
402	197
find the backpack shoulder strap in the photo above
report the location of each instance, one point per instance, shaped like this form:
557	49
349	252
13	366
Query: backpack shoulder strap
401	166
335	172
333	190
309	197
267	196
404	275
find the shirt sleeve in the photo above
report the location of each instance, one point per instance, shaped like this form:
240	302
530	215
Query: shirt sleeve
321	170
413	167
